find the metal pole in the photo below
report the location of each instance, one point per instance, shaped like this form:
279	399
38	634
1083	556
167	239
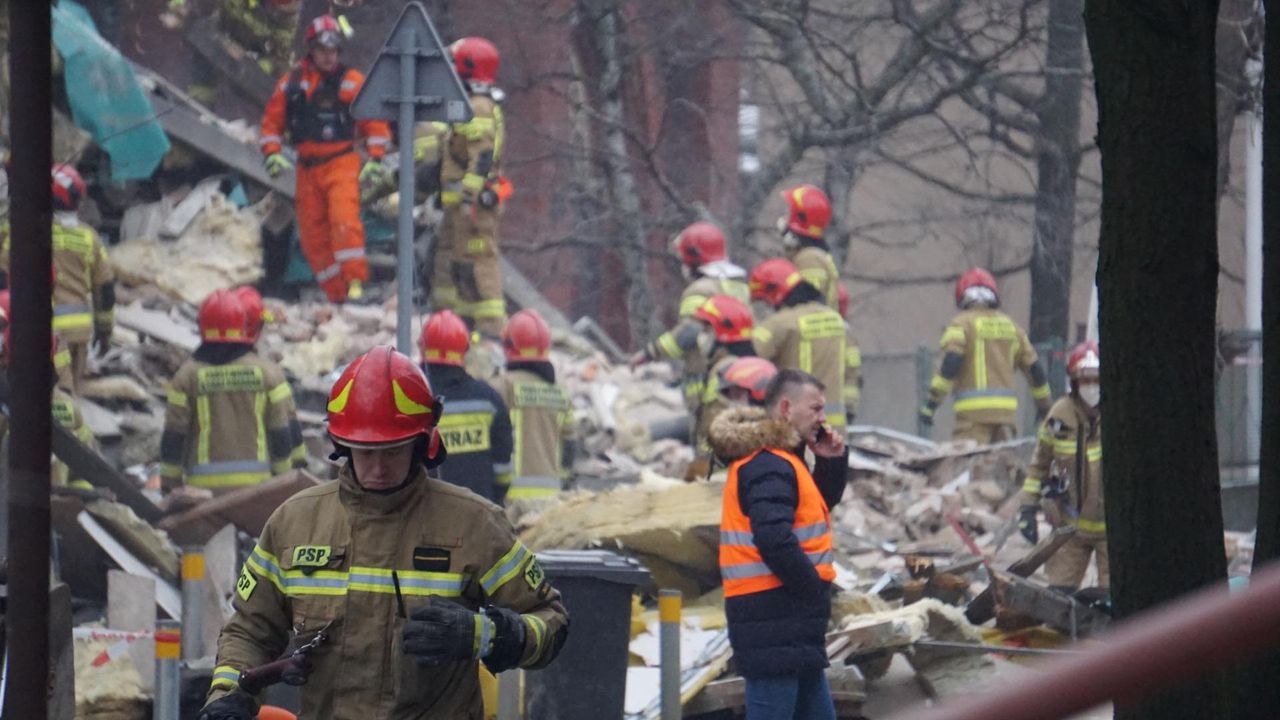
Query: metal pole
30	371
404	241
669	647
1253	285
168	671
193	577
510	687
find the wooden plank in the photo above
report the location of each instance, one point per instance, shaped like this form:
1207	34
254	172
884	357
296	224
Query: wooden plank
983	607
1050	607
85	463
230	60
131	606
247	508
158	325
166	596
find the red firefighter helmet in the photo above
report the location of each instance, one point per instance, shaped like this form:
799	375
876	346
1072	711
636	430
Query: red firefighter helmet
68	187
1084	362
526	337
223	319
699	244
325	31
445	339
842	300
749	373
475	59
255	312
808	211
383	400
728	317
773	279
975	277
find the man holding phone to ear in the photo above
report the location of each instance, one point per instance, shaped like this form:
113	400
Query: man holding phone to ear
776	544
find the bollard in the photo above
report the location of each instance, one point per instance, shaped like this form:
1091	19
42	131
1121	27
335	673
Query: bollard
168	670
510	694
193	578
669	645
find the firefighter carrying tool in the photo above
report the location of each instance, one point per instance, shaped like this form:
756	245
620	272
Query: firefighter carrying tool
802	228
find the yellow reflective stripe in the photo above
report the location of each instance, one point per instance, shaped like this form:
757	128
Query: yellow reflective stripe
941	385
225	677
260	416
489	309
517	437
280	393
852	356
472	181
980	365
1094	453
507	567
72	320
762	334
1092	526
202	441
806	355
267	566
1040	392
953	334
538	628
690	304
281	467
1031	485
298	453
518	492
1064	447
1044	435
175	397
986	403
226	480
816	277
667	344
499	133
169	470
450	197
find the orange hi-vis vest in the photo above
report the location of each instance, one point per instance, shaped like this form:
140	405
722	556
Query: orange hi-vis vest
741	564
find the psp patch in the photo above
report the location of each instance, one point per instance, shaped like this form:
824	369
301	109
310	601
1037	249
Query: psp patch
534	575
246	584
312	555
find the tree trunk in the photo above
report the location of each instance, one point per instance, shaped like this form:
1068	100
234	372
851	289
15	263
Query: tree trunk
1057	166
1157	283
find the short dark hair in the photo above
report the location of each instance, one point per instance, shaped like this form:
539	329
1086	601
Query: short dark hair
784	381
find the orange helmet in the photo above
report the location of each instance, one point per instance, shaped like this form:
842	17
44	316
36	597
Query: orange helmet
729	317
68	187
749	373
526	337
383	400
808	211
325	31
255	312
223	319
445	339
1084	362
973	278
699	244
475	59
773	279
842	300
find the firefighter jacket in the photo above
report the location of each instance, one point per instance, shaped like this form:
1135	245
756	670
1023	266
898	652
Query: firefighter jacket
775	543
228	425
312	111
541	421
808	336
991	347
67	414
852	373
473	151
1066	468
84	292
681	341
476	430
815	264
713	403
326	559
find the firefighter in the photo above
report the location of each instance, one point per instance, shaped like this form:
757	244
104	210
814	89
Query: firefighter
1065	476
705	264
729	322
413	581
541	418
84	294
254	309
263	28
744	381
981	349
311	108
802	228
230	419
476	427
466	274
852	359
804	334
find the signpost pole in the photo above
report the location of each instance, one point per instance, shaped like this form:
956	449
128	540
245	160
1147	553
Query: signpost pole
404	241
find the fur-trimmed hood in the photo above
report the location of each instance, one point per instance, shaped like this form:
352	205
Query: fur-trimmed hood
740	431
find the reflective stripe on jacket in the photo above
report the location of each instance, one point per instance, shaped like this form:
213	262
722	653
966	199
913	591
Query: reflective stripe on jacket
818	268
1066	432
809	337
681	341
994	348
541	420
376	133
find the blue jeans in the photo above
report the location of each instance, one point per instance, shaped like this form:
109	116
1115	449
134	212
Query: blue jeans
805	696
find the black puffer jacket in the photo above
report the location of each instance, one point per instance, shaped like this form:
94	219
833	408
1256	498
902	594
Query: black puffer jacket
780	631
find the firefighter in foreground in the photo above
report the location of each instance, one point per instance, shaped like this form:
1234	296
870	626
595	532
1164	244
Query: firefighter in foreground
981	349
311	108
1065	476
466	275
413	580
776	545
705	264
230	419
802	228
541	417
476	426
852	361
804	334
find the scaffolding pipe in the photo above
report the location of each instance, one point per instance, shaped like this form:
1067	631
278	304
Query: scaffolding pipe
1202	632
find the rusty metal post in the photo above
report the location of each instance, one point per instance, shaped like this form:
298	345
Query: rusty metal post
30	368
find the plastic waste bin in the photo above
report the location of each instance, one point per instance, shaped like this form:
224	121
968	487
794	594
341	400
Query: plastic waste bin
588	680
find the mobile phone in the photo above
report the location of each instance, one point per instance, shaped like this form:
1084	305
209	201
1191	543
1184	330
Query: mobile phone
821	434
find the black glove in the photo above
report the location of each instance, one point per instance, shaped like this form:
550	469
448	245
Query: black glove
1027	524
101	342
487	198
443	632
508	641
236	706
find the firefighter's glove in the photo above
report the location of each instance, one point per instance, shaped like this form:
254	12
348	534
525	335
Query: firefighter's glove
487	198
372	173
236	706
101	342
276	163
443	632
926	414
508	641
1027	524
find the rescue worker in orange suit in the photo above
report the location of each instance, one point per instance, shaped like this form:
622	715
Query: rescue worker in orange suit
476	427
802	228
311	109
466	275
229	420
84	295
744	381
1065	476
541	416
414	581
981	349
704	262
804	334
728	321
776	544
852	360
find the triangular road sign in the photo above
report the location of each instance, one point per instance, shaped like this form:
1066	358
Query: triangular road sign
437	92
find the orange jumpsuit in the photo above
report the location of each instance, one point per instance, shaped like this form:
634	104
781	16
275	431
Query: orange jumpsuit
313	111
